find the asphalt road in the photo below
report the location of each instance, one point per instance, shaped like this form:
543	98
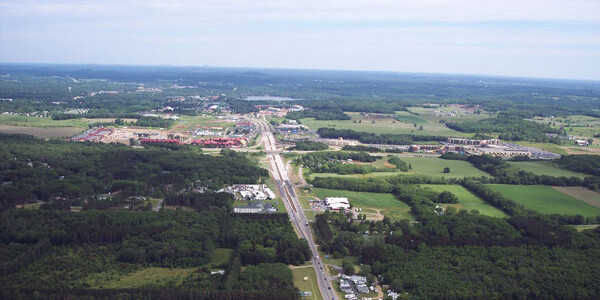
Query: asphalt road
294	208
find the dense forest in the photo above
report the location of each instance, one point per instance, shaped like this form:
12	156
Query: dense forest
310	146
47	251
371	138
154	122
34	169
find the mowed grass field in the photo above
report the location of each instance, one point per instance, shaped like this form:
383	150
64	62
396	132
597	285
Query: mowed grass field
466	200
387	204
309	285
435	166
545	168
545	199
16	120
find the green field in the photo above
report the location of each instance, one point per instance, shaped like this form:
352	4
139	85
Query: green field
221	257
545	199
545	168
544	146
433	166
191	123
436	165
431	125
410	119
466	200
388	205
309	285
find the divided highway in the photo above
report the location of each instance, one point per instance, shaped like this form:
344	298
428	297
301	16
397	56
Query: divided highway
294	208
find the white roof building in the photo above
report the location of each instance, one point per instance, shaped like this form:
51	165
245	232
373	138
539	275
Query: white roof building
337	203
270	193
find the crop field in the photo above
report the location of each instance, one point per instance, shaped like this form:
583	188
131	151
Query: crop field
144	277
309	285
41	132
545	168
386	125
386	204
466	200
584	194
545	199
435	166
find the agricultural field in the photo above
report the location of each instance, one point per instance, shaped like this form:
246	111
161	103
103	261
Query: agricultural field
466	200
42	132
431	125
545	199
309	285
577	125
545	168
578	192
373	203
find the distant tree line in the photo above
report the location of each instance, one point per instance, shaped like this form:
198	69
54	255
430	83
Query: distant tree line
371	138
510	128
321	114
310	146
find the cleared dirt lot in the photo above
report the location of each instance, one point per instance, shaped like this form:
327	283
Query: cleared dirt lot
41	132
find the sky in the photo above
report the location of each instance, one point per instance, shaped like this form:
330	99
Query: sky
525	38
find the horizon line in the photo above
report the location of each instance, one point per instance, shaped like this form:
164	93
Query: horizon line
309	69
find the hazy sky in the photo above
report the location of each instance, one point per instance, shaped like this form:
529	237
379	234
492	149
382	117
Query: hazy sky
540	38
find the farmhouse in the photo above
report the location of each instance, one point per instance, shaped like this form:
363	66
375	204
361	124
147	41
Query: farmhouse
337	203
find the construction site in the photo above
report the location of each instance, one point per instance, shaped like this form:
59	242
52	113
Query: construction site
143	136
